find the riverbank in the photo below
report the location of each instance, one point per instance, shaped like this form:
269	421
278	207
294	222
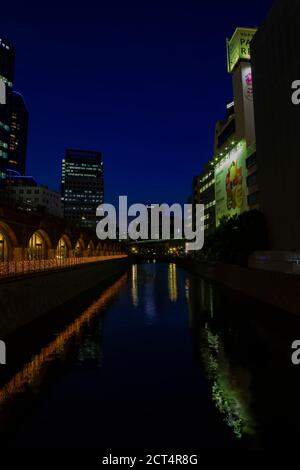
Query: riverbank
281	290
31	296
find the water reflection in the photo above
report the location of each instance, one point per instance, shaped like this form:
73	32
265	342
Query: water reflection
230	385
149	293
150	389
134	285
187	289
207	299
90	349
172	282
30	374
230	382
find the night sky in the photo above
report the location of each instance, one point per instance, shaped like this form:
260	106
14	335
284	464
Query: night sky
142	82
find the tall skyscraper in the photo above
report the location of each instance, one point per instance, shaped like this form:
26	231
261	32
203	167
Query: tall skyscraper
7	64
18	135
82	186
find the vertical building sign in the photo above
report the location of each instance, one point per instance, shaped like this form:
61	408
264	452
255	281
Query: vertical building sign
231	184
238	47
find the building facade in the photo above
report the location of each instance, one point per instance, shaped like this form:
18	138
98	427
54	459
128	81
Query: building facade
7	64
82	186
35	236
276	66
228	183
27	195
17	149
207	198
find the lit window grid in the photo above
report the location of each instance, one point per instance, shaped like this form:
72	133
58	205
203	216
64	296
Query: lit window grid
210	204
208	185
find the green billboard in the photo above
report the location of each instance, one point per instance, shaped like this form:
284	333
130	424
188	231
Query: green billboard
238	47
231	183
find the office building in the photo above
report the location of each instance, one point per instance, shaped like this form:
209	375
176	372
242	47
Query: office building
17	148
7	63
206	191
13	180
228	183
235	135
276	68
82	186
25	193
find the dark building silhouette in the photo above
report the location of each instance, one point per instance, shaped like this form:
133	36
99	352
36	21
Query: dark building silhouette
16	180
24	193
82	186
18	135
276	65
7	64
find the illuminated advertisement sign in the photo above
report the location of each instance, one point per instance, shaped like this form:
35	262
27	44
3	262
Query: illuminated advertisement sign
231	183
247	83
238	47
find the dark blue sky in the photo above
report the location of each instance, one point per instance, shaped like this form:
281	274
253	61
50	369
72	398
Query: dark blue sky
143	82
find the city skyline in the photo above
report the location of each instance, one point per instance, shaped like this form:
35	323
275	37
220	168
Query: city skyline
150	303
134	118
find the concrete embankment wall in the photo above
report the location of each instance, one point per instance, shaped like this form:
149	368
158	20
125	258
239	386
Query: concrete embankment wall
29	297
278	289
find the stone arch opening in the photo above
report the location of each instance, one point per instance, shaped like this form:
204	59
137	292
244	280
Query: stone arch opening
8	240
38	245
90	248
63	247
79	248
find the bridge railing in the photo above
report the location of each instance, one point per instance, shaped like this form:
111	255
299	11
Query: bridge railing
17	268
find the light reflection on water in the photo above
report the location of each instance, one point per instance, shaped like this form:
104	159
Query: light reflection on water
227	384
230	386
147	275
244	348
145	295
168	357
172	282
31	371
134	285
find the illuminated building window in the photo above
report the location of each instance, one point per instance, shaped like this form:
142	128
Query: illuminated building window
210	204
208	185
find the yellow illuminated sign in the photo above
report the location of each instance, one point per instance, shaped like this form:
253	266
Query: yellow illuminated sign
238	47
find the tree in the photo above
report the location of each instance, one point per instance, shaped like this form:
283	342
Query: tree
236	237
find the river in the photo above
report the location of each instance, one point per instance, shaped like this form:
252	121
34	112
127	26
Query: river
158	359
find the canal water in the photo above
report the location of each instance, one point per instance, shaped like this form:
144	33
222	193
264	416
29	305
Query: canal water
156	360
